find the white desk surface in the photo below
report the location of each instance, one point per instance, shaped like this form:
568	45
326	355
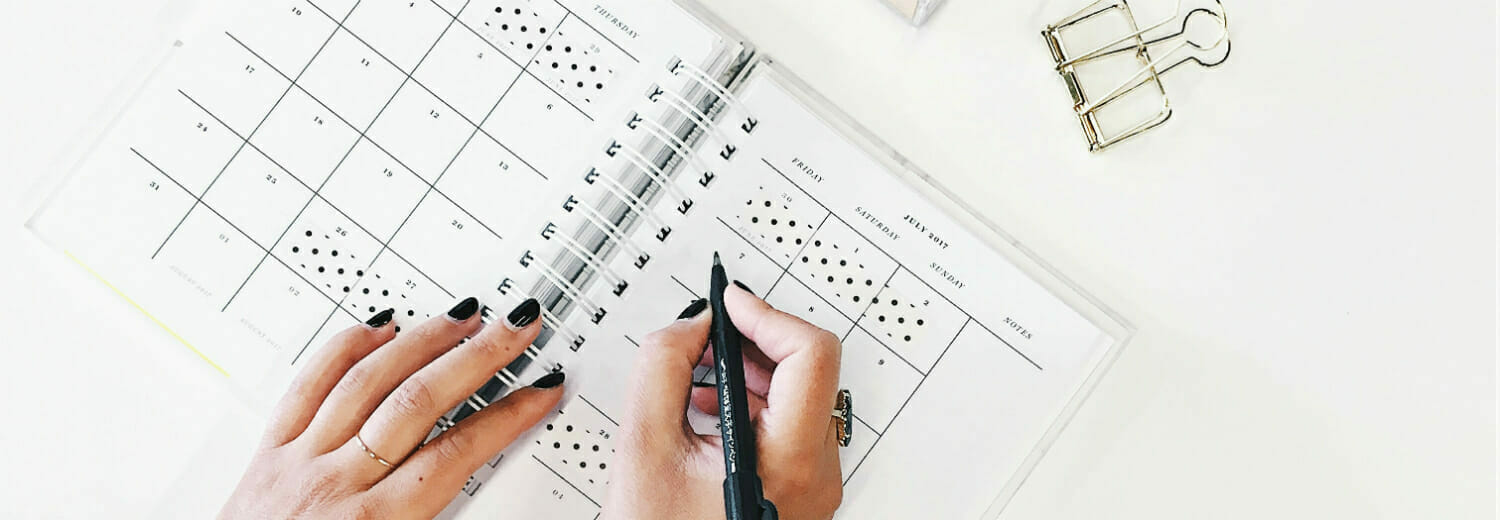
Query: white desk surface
1307	247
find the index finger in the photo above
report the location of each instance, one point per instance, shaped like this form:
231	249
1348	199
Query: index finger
804	385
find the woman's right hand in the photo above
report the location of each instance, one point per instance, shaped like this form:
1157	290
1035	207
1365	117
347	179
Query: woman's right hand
666	471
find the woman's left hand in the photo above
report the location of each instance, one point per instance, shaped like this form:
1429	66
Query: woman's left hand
346	440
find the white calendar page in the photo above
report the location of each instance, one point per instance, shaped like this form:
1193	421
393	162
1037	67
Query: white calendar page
960	363
296	166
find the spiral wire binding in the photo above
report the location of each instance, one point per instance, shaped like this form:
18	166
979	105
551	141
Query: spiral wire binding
567	287
676	65
653	170
665	136
630	200
614	232
697	117
588	258
572	290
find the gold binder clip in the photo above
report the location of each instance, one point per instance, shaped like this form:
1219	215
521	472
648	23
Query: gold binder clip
1139	41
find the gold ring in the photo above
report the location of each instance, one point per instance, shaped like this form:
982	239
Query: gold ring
371	454
843	416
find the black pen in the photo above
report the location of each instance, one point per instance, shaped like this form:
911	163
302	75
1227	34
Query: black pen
743	497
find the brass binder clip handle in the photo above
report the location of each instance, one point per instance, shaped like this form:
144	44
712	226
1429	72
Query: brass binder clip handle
1171	50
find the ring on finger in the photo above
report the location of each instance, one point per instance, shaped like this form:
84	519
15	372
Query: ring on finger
843	417
374	456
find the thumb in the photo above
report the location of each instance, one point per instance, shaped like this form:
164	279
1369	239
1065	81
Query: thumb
664	375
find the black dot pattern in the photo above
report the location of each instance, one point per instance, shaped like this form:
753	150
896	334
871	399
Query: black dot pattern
769	221
377	292
516	28
838	270
575	62
321	258
578	444
896	317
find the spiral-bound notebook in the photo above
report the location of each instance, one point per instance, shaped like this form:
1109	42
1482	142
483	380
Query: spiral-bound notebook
293	166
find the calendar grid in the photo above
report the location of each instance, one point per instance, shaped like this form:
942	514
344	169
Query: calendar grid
913	393
432	186
241	147
853	320
882	251
199	202
854	323
382	149
417	82
317	194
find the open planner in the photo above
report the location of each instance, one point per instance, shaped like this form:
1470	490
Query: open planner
293	166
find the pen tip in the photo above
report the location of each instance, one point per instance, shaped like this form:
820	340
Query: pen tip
716	258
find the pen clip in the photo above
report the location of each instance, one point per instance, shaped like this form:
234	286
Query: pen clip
767	509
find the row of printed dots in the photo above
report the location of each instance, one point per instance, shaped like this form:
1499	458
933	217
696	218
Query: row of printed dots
576	447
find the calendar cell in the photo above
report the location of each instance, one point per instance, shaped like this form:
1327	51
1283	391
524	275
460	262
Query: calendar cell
467	73
880	381
791	296
843	267
284	33
305	138
391	283
352	80
516	27
859	446
327	249
210	255
578	443
480	179
374	190
740	259
912	319
184	141
273	286
234	85
775	216
400	30
579	64
452	248
135	203
257	196
421	131
540	127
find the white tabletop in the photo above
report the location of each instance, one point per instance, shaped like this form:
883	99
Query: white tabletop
1307	248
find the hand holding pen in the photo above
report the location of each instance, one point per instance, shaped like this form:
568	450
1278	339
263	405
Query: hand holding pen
666	471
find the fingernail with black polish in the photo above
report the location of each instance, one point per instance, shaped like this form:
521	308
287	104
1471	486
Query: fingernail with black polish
693	309
524	314
381	319
464	310
549	381
742	285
